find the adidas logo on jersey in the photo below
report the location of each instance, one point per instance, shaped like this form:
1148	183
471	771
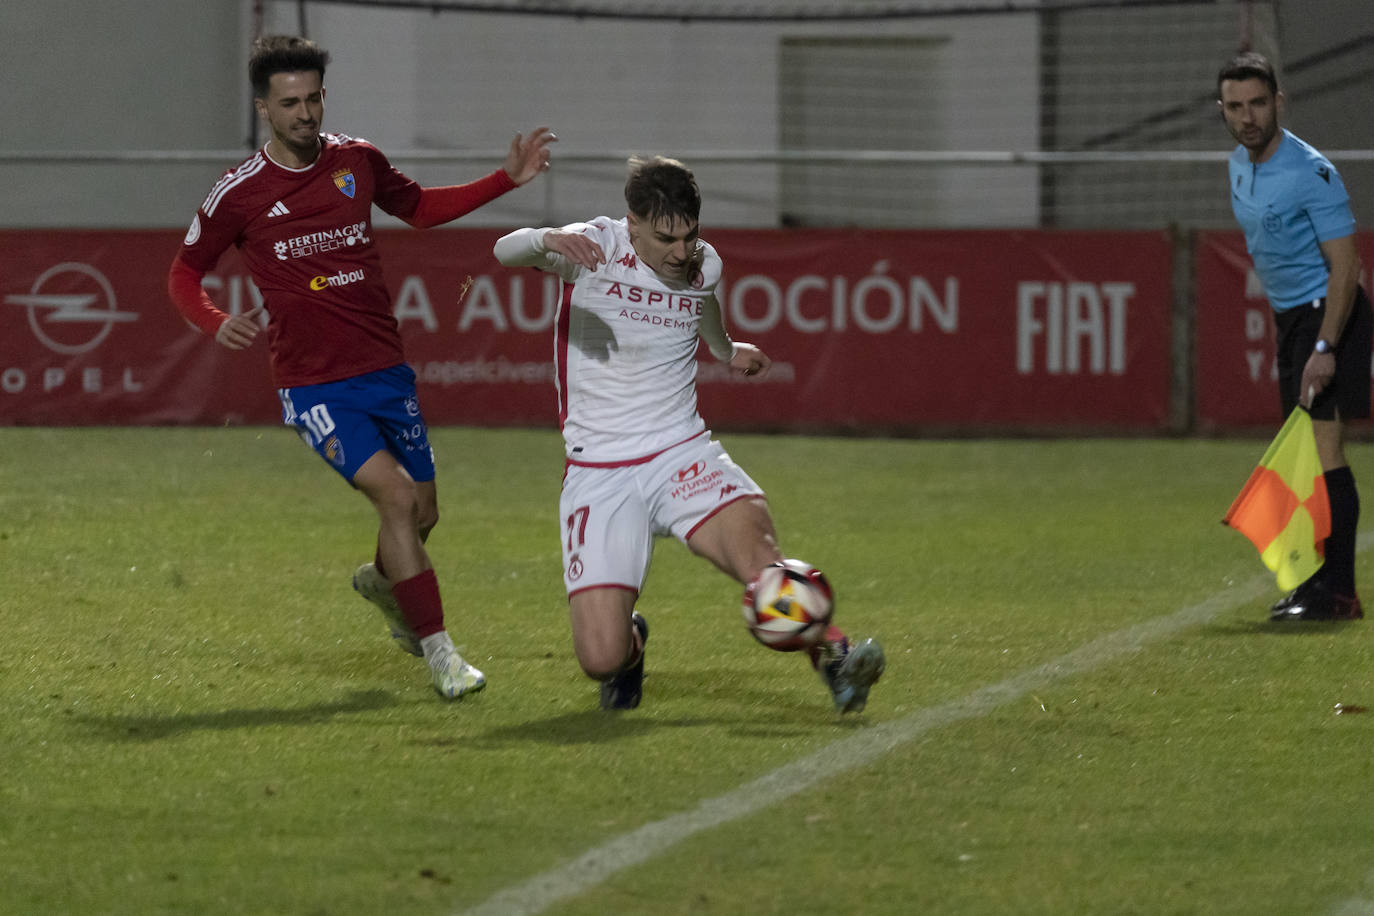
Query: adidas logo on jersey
278	209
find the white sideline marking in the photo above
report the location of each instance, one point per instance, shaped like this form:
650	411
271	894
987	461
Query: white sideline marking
1362	904
1356	906
596	865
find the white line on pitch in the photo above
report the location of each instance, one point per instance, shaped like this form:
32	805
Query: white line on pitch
596	865
1357	906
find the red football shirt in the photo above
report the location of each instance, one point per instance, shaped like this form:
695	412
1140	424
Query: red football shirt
305	235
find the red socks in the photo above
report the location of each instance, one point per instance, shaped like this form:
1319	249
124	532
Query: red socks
418	597
822	653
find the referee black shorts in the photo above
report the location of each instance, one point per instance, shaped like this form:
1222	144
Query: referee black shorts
1348	390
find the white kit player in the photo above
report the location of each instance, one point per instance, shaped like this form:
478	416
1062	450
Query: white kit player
637	294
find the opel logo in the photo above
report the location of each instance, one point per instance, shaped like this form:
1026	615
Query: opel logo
67	303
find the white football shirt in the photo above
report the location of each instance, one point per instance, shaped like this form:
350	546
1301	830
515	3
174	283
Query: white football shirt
625	343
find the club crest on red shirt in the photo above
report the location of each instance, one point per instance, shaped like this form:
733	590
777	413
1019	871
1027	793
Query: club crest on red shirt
343	180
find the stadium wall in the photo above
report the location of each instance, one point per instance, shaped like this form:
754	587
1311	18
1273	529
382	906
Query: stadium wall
132	109
897	331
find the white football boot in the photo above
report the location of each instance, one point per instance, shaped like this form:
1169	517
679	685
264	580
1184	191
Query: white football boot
376	588
453	677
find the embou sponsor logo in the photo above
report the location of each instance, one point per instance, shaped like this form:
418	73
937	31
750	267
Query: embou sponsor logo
339	279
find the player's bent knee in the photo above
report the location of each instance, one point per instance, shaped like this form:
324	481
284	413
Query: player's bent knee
394	498
398	511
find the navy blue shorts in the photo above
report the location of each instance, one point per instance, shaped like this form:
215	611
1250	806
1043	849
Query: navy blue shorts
349	421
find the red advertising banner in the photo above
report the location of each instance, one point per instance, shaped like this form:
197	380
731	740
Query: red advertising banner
882	330
1236	379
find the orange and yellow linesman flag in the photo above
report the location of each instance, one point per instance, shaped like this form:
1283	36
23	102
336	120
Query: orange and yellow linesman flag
1283	508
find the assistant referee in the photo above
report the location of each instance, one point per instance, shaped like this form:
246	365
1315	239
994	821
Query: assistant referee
1300	231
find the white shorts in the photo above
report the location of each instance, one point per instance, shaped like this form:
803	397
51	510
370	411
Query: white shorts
611	515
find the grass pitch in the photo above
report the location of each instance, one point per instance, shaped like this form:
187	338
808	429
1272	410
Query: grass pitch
200	716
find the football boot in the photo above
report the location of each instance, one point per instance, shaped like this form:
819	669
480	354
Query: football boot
1318	602
452	676
850	671
375	587
1295	596
623	689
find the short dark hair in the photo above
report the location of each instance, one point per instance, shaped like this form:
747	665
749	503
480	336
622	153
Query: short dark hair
659	187
1250	65
282	54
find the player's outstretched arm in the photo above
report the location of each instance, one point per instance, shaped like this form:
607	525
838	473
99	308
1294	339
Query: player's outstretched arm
582	250
555	250
528	156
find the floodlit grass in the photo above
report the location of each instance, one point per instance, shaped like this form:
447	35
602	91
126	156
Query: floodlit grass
199	716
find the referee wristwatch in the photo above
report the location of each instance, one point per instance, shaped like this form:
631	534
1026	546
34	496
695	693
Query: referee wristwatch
1323	346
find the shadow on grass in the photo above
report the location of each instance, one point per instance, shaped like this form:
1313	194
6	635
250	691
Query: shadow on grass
592	726
596	726
745	712
1277	628
155	728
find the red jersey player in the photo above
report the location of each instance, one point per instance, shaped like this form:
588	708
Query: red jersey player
299	211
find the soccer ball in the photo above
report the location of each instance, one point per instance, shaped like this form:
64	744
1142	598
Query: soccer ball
788	606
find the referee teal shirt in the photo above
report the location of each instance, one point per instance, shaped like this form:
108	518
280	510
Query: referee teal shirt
1287	207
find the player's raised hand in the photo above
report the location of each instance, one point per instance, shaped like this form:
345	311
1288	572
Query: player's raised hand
237	331
528	156
576	247
750	360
